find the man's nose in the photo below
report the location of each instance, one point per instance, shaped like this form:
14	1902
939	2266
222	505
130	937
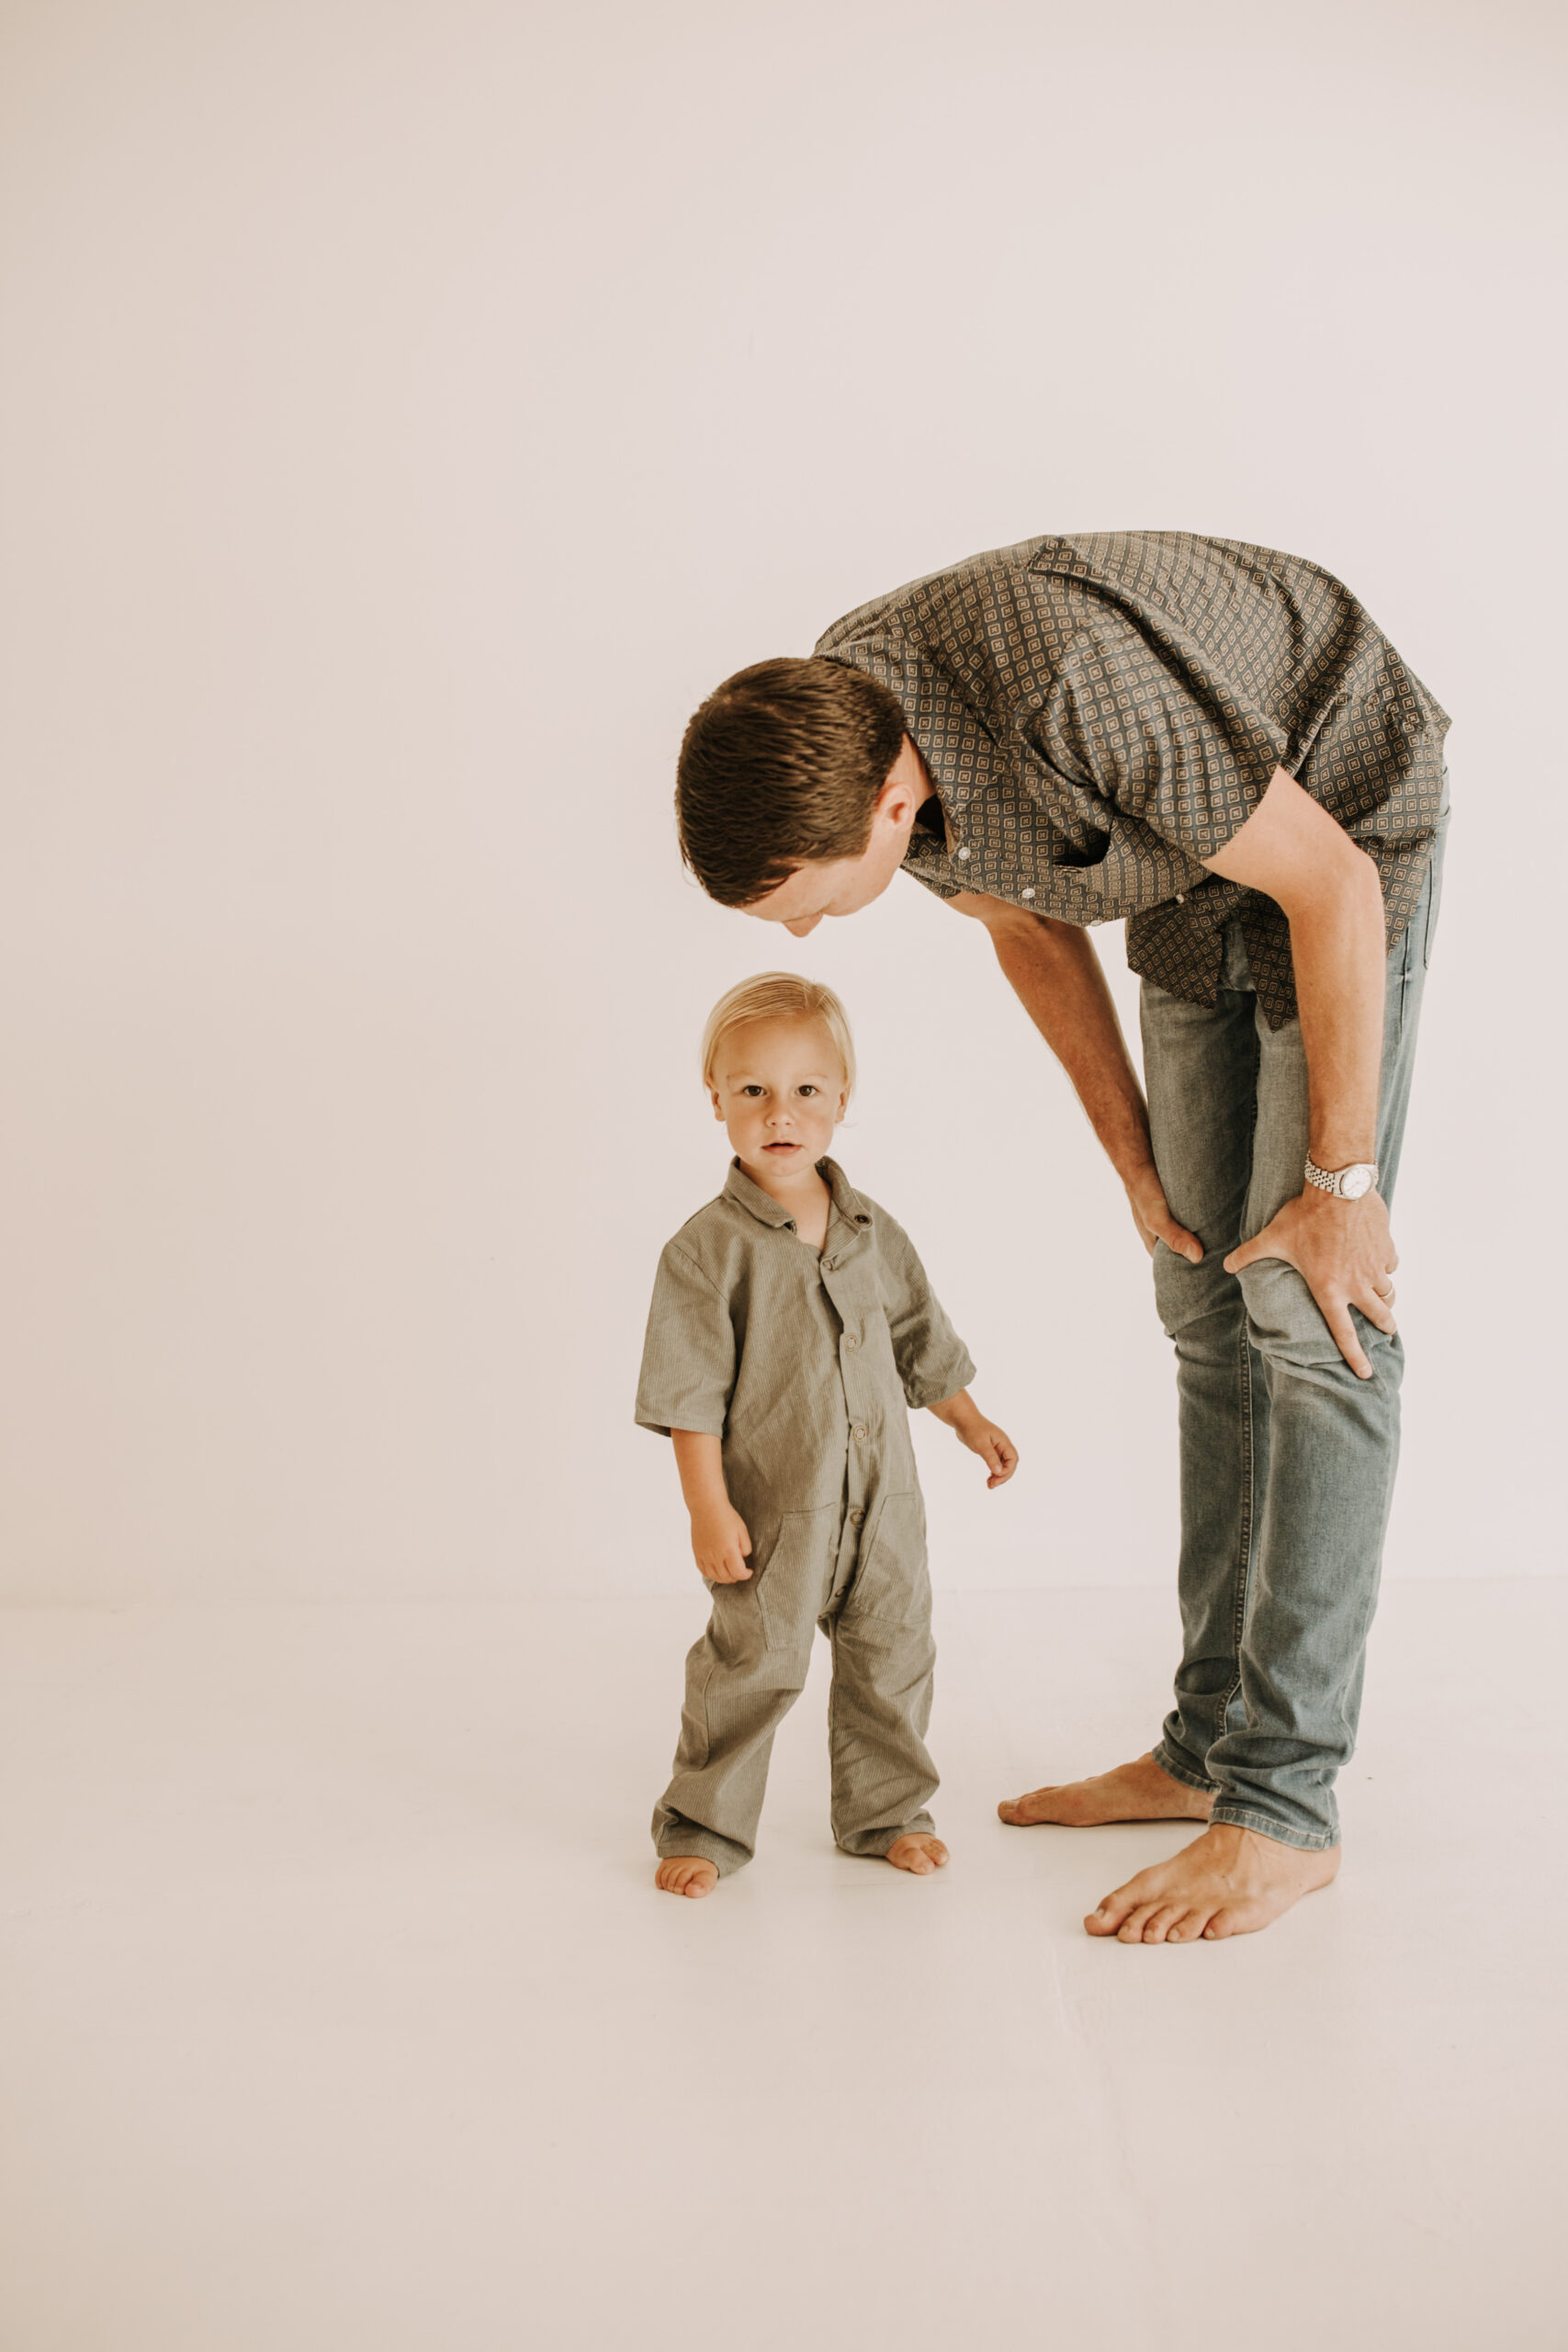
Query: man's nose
799	930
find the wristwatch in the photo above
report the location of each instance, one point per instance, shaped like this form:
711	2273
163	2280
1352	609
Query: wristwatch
1346	1184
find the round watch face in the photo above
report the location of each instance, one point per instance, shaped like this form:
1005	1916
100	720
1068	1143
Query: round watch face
1355	1182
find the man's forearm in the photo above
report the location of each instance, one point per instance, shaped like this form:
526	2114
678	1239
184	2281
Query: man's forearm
1293	851
1338	953
1057	978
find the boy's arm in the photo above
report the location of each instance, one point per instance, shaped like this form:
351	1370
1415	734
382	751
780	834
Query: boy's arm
1056	977
971	1428
720	1543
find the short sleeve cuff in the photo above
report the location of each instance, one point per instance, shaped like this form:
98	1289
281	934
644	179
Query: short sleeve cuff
934	1383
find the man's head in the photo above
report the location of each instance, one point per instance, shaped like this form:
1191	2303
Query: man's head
795	789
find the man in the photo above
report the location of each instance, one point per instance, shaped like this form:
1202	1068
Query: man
1212	741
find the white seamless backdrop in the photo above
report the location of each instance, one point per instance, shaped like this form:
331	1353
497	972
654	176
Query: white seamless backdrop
409	411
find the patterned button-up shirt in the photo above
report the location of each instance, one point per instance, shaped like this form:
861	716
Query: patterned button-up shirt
1101	714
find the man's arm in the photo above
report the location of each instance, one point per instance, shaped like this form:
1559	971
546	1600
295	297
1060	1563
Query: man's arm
1057	978
1292	850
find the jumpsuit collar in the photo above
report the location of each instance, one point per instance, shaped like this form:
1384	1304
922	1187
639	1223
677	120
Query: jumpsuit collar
747	1194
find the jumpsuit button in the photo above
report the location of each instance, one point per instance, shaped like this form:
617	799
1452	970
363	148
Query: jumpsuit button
851	1340
856	1517
860	1431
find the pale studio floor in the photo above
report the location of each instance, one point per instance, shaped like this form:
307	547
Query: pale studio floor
338	2011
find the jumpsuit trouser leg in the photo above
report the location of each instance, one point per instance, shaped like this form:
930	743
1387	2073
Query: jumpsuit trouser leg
750	1664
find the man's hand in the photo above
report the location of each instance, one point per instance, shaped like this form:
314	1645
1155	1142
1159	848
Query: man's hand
1147	1200
1344	1252
720	1543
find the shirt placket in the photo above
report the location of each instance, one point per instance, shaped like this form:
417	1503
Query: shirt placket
858	1405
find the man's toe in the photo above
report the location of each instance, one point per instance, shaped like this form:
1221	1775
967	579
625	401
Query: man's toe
1131	1929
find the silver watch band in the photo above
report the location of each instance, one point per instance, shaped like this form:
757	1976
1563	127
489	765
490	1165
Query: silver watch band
1363	1173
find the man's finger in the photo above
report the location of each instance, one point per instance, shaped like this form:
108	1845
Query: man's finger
1381	1312
1176	1237
1245	1252
1343	1332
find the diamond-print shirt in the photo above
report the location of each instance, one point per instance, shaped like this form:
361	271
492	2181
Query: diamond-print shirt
1099	714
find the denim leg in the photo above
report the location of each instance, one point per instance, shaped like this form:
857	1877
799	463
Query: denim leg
1323	1496
1202	1067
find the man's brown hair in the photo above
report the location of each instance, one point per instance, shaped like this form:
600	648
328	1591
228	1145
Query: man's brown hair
780	767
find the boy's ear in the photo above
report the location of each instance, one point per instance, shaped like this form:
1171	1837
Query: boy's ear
717	1105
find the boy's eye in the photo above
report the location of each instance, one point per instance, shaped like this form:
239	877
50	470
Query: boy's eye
808	1090
751	1090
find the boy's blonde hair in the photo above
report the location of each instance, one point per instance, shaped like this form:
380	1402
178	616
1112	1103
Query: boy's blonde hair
778	996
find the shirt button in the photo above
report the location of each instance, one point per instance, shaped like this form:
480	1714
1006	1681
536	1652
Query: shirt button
963	852
1181	897
1027	894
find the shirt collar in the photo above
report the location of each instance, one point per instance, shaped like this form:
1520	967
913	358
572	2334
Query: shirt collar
749	1194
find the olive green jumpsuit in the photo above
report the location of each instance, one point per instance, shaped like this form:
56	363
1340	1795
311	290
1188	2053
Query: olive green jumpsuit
804	1365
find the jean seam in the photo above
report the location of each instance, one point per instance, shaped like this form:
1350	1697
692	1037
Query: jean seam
1165	1758
1228	1814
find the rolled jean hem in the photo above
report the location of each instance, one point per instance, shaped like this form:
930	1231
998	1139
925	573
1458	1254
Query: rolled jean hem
698	1845
1182	1772
1238	1816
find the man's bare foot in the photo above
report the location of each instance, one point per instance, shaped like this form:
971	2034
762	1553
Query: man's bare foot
1229	1881
1139	1791
687	1874
918	1851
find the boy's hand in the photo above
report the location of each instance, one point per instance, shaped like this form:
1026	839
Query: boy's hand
971	1428
720	1543
993	1445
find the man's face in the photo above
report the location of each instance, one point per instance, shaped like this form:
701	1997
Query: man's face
842	885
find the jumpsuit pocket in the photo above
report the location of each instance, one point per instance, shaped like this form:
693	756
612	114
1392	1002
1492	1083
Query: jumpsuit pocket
891	1582
792	1565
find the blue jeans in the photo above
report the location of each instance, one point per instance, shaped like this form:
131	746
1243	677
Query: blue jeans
1287	1458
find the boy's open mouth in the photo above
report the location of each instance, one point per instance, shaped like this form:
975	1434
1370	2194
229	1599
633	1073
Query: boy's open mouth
781	1146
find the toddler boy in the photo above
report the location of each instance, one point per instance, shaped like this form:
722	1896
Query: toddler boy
792	1325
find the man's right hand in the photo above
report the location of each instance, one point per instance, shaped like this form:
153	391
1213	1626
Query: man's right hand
720	1544
1146	1198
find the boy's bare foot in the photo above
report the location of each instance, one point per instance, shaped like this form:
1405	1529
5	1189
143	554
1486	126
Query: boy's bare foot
918	1851
1138	1792
1229	1881
687	1874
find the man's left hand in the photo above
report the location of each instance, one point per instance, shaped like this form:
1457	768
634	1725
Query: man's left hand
1344	1252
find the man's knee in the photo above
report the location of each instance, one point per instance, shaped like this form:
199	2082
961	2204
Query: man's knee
1199	1306
1287	1328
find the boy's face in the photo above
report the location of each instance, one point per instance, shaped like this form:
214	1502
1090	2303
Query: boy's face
779	1087
842	885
